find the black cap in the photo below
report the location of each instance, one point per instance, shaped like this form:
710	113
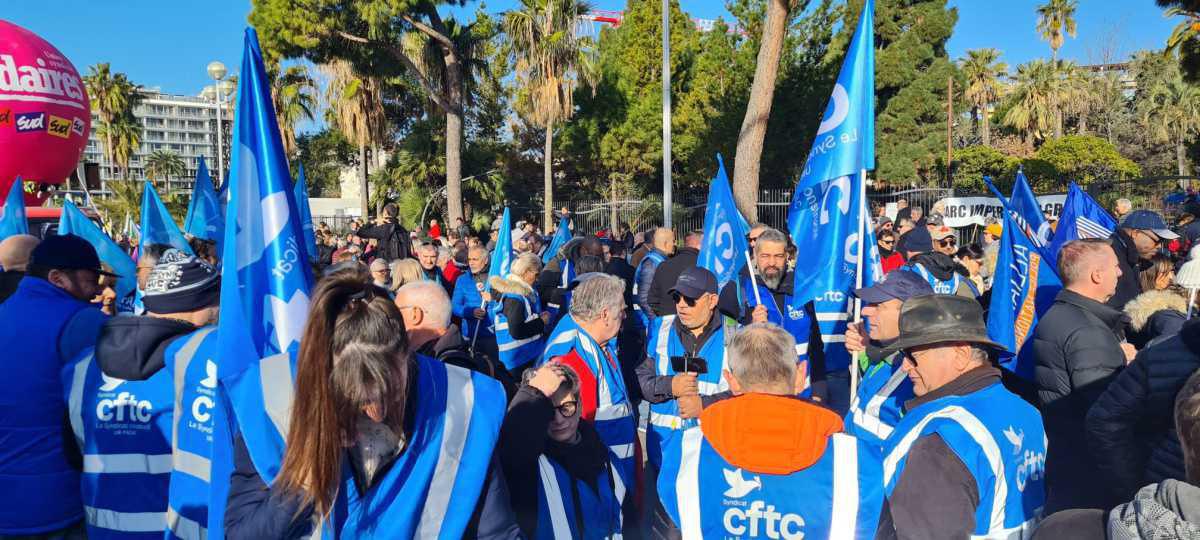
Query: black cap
918	240
1148	220
900	285
694	282
67	252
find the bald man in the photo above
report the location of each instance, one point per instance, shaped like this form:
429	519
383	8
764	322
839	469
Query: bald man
14	257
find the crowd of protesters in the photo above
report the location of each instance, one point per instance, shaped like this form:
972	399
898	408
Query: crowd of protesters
629	393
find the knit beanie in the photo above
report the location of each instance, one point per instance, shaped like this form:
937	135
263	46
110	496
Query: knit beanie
181	283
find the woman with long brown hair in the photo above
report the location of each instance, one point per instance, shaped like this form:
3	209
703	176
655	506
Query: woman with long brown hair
380	440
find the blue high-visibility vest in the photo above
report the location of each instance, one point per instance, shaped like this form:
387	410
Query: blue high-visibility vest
795	321
516	353
431	489
999	438
653	258
838	497
940	286
877	406
663	344
570	508
191	363
124	432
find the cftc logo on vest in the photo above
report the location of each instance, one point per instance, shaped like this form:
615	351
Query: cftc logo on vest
203	404
1031	466
122	412
756	518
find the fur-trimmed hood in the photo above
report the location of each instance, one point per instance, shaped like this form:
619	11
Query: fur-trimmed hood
1141	308
512	285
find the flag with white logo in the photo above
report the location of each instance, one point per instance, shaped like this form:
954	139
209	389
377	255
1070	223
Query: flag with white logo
724	248
561	236
73	221
1024	286
157	225
310	236
205	218
1082	217
265	280
12	214
502	255
1028	212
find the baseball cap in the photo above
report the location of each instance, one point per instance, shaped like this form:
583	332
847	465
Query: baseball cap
918	240
180	283
935	219
942	233
695	282
1148	220
898	285
994	229
67	252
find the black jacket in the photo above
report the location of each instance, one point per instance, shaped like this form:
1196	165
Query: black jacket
1131	428
1128	285
394	240
645	282
453	350
665	276
943	267
1077	349
8	283
523	439
133	348
1154	316
656	388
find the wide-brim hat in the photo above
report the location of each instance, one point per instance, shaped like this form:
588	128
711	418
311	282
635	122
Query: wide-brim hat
942	318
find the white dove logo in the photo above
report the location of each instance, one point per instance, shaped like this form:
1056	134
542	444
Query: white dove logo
1017	439
259	225
839	108
110	383
210	379
739	486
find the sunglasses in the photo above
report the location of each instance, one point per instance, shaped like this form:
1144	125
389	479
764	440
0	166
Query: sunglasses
948	241
568	409
886	242
691	302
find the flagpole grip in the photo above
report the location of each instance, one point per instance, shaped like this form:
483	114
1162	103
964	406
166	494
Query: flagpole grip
753	280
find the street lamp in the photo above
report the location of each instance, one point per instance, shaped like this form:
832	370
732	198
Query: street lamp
217	71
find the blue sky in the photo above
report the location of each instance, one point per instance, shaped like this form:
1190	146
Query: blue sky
167	44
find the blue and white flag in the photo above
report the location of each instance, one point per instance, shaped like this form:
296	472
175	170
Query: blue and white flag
205	216
265	281
73	221
825	215
1082	217
310	235
562	235
725	246
502	255
12	214
1028	212
1024	285
157	225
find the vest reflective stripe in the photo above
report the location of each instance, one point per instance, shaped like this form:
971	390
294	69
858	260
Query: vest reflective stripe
515	353
868	417
130	522
799	327
981	436
127	463
844	521
665	343
554	501
192	464
276	376
184	461
687	484
185	528
939	286
454	436
75	398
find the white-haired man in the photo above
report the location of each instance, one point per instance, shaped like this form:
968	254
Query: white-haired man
766	464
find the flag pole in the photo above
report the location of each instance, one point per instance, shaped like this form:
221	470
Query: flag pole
753	280
858	272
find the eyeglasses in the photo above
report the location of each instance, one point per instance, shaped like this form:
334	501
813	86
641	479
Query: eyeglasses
568	409
691	302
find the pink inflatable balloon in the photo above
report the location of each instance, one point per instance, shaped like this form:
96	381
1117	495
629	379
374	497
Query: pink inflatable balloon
45	114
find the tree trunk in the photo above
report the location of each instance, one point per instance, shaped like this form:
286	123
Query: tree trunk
1058	121
987	126
454	136
612	212
547	178
1180	158
364	200
1083	124
758	110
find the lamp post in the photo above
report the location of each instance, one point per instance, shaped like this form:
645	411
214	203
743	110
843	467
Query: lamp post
217	71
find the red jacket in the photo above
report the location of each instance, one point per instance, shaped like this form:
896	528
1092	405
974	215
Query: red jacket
891	262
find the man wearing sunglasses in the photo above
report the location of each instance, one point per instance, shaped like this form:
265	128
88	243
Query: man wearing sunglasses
1137	240
968	458
930	255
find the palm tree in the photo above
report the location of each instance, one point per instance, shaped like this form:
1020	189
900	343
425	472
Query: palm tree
295	95
1034	96
1056	20
164	164
124	136
1171	114
113	97
983	69
551	61
356	108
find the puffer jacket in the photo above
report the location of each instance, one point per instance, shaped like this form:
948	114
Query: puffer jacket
514	310
1131	428
1155	315
1167	510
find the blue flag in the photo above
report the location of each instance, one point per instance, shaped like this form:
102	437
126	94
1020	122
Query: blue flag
723	251
1028	212
205	217
1082	217
157	225
12	214
1024	285
73	221
502	256
265	282
310	235
562	235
